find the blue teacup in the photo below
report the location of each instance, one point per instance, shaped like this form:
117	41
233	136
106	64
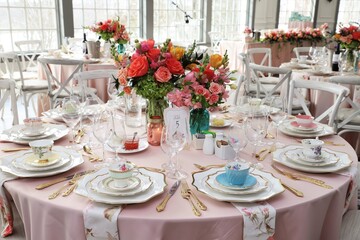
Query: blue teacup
236	173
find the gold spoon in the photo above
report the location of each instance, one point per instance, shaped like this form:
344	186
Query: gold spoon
88	150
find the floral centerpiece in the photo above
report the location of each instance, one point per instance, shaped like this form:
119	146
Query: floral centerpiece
349	38
113	32
202	88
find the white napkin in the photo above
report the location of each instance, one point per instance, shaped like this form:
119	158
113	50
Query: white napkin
5	206
259	220
100	221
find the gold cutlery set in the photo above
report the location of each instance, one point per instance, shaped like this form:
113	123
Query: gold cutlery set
262	154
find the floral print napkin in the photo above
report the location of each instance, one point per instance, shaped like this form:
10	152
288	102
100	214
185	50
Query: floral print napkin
259	220
352	172
100	221
5	206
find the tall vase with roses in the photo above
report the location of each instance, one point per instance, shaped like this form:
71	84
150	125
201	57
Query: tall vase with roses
203	88
151	72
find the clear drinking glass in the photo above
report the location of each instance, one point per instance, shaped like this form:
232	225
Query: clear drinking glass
255	129
237	139
91	111
102	125
71	113
116	135
278	115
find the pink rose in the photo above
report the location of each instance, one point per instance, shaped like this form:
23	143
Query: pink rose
122	76
162	74
214	98
215	88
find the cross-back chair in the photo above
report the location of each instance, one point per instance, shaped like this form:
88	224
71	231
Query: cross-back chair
7	87
29	50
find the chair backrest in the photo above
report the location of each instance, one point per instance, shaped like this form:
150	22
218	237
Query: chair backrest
353	102
301	51
215	38
260	56
339	92
244	60
86	76
8	86
12	65
29	49
259	71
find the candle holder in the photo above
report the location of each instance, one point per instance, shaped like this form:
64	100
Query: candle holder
154	128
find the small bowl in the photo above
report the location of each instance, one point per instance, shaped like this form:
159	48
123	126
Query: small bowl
42	148
236	173
131	142
304	120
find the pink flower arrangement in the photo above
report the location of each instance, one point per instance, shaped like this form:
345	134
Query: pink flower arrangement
348	36
111	29
295	35
247	30
205	85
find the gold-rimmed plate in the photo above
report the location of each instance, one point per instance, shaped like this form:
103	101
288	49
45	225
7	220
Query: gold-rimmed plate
296	155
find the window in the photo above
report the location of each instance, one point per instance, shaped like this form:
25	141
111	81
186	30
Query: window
349	11
28	20
88	12
304	12
170	21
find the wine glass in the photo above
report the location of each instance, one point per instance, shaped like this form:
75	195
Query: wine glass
116	134
91	111
255	129
101	128
237	139
278	114
71	113
172	142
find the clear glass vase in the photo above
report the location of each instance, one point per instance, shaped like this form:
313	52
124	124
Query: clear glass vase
155	120
199	120
348	60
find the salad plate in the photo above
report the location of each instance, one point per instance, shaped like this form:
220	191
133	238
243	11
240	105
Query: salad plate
204	181
110	184
157	187
55	132
343	161
72	157
326	158
97	185
324	130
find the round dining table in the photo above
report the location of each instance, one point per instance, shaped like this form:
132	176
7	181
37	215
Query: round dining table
316	215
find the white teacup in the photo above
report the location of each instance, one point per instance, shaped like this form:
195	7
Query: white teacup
312	148
302	59
121	172
33	126
255	103
42	149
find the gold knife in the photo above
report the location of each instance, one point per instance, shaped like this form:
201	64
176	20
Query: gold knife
14	149
199	203
293	190
58	180
171	192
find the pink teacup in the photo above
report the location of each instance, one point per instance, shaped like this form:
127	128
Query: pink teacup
304	120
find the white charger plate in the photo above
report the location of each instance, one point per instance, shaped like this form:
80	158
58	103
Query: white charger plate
6	164
343	162
286	129
56	132
158	186
97	185
22	161
260	185
274	187
143	144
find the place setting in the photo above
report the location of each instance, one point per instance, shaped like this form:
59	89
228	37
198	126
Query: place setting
237	182
33	129
311	156
43	159
305	126
122	183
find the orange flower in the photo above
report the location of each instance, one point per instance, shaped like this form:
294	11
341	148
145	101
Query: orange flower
139	67
174	66
154	54
162	74
215	60
177	52
122	76
127	90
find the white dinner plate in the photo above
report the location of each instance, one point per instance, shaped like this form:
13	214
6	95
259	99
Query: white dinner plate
296	155
143	144
158	186
343	162
294	126
55	132
274	187
325	131
97	185
261	184
75	159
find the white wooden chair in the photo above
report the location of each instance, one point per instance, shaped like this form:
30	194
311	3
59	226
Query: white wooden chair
99	75
348	118
29	50
339	93
301	51
28	87
262	54
7	87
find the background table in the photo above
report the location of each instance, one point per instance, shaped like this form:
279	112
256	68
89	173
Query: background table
319	213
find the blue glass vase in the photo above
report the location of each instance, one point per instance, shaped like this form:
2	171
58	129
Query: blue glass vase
121	48
199	120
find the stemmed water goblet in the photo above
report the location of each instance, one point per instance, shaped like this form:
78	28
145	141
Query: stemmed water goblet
278	115
91	111
116	135
172	142
256	128
237	139
71	113
101	128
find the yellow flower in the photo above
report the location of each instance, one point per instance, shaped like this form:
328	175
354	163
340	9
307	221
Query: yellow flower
177	52
215	60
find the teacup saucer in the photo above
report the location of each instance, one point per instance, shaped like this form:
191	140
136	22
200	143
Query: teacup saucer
249	182
297	156
30	133
111	184
51	159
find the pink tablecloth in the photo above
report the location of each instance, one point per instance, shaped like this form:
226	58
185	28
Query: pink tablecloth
315	216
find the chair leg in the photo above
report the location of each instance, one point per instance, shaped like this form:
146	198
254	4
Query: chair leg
26	104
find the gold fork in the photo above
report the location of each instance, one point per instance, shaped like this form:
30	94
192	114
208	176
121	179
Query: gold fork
208	166
187	196
71	182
